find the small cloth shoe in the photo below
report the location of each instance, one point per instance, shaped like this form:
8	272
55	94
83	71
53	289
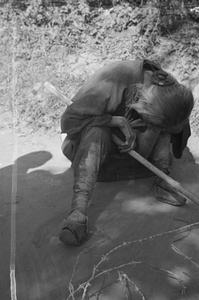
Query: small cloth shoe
75	228
165	193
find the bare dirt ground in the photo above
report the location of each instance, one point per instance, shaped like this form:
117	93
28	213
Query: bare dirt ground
135	248
125	219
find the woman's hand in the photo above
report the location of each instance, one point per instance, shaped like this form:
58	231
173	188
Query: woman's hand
130	137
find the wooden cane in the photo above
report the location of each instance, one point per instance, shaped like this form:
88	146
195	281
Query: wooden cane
55	91
173	183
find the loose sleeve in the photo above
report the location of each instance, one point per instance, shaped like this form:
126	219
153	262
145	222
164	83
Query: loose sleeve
99	98
90	109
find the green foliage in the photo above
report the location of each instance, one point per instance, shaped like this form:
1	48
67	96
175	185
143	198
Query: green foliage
40	15
46	35
40	26
118	18
70	25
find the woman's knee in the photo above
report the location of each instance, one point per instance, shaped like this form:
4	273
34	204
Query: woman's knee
98	134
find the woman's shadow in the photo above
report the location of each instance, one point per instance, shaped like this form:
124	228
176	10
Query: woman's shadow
42	200
50	195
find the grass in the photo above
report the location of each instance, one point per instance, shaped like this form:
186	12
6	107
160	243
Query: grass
67	58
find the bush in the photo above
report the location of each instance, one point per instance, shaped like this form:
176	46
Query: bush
47	34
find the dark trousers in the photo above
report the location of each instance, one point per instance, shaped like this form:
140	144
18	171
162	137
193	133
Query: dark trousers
94	155
87	155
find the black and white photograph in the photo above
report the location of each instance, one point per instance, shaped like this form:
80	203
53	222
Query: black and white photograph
99	150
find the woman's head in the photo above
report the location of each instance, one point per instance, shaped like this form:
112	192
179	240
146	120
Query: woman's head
165	106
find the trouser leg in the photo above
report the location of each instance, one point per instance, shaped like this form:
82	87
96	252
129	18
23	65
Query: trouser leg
162	158
94	145
93	148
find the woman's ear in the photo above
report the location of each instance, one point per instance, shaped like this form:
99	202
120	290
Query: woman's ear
162	78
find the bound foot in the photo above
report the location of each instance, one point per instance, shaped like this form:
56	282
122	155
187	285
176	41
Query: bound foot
75	228
167	194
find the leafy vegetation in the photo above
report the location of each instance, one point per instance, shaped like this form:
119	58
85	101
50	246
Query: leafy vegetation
65	43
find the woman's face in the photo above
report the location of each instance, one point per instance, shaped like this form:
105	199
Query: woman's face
150	109
154	120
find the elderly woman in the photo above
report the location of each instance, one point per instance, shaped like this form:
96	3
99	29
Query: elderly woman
146	108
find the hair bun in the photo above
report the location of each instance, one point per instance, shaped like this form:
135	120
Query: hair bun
162	78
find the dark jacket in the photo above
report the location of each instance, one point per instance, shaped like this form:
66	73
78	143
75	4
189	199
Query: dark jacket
104	95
